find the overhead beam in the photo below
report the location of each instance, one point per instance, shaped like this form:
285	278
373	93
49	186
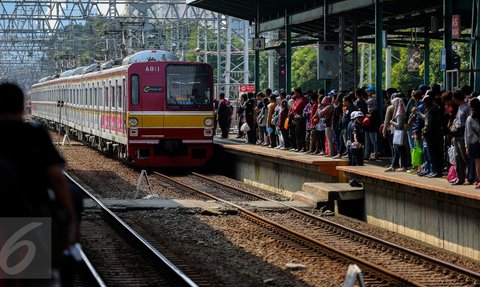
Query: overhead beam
316	13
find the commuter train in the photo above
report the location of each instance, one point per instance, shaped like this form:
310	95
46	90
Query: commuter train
151	109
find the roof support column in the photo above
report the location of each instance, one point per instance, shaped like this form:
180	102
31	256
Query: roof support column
378	56
475	78
447	36
288	48
257	52
426	56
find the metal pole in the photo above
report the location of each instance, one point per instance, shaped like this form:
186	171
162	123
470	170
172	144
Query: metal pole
476	83
257	52
270	68
426	53
219	56
288	48
246	72
447	35
362	65
228	58
388	67
378	56
370	73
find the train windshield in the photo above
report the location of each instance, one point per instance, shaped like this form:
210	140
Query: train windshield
188	86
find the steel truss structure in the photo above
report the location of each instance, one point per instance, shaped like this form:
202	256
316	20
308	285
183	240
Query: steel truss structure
33	31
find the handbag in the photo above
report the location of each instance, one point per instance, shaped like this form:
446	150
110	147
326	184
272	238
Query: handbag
417	154
398	137
285	125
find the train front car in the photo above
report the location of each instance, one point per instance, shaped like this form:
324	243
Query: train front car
170	114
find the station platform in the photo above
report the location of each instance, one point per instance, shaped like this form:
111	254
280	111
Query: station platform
280	171
427	209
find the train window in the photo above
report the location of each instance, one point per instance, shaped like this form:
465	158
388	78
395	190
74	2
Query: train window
135	90
189	85
106	97
95	95
113	97
119	96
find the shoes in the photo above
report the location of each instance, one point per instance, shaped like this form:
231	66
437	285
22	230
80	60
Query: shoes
401	169
322	153
412	170
390	169
433	174
458	182
283	148
338	156
303	150
373	158
477	186
354	183
422	173
452	181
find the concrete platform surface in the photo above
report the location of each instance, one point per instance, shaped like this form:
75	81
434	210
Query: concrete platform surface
338	191
327	164
435	184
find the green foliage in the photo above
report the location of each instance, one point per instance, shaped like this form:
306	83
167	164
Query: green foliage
304	66
403	79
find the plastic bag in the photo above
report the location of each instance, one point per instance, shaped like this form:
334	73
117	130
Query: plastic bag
245	127
417	155
452	173
398	137
452	154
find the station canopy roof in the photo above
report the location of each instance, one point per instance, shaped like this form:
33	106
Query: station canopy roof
306	16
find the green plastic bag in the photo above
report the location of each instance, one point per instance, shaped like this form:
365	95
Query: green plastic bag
417	155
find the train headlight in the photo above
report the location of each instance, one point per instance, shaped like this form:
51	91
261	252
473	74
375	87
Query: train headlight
208	122
133	121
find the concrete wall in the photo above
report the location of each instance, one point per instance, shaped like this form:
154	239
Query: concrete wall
443	220
274	174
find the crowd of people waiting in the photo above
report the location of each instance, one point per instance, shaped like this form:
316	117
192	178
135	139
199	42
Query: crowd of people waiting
426	131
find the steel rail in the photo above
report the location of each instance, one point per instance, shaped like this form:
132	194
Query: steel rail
454	268
184	280
361	262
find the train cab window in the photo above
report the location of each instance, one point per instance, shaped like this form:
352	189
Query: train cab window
135	90
188	86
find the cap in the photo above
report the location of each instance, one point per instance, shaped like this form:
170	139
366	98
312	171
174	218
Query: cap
356	114
370	89
353	115
423	88
332	92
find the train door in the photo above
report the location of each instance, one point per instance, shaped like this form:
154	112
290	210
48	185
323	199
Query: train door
135	115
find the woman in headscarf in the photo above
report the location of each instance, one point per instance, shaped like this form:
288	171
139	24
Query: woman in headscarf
398	125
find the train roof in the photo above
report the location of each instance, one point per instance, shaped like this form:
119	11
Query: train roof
148	56
142	56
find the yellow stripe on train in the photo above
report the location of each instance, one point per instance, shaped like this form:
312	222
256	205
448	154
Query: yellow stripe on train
172	121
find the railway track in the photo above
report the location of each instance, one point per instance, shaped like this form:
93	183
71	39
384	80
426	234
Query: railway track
382	263
120	255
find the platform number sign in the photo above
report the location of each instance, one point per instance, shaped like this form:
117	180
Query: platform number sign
258	43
